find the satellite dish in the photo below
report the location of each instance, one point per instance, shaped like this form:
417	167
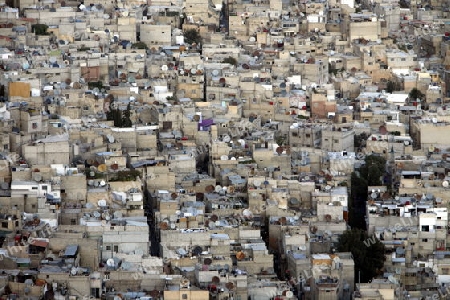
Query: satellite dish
218	188
164	67
247	213
302	247
373	195
215	72
226	138
102	168
224	157
193	71
197	250
110	138
293	201
101	203
445	183
110	262
117	215
257	183
430	169
289	294
240	255
97	214
229	286
102	183
406	143
392	279
327	188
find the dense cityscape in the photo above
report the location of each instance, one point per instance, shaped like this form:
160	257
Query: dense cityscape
237	150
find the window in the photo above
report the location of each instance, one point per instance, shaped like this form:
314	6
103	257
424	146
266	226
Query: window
85	107
445	271
108	248
33	206
194	91
425	240
4	224
44	187
403	59
307	135
184	296
34	188
34	125
73	222
116	248
5	147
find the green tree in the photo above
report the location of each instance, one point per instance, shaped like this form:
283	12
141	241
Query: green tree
192	36
390	86
370	174
230	60
126	117
367	251
416	94
139	45
373	169
40	29
114	114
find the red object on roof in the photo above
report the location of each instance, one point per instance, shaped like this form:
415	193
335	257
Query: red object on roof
39	243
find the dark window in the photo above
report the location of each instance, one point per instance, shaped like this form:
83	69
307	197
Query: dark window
167	125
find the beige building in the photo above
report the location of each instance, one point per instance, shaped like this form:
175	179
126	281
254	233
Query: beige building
156	35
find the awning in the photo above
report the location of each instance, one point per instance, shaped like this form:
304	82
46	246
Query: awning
39	243
71	250
23	260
